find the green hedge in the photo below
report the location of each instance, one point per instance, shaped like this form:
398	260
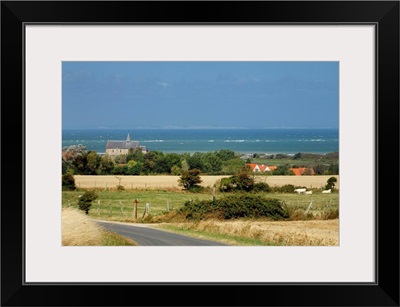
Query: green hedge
235	206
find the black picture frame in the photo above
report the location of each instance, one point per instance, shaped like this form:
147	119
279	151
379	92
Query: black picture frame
383	14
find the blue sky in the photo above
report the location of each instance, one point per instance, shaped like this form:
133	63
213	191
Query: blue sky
200	94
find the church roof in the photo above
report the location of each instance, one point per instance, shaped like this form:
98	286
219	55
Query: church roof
127	144
122	144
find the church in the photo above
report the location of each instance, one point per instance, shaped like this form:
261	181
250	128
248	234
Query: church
117	148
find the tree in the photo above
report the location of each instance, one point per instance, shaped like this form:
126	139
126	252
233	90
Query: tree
331	183
242	181
333	169
150	162
85	201
134	167
195	161
65	166
73	158
190	180
173	159
162	165
185	166
176	170
211	162
233	166
68	182
135	154
106	165
282	170
93	162
225	154
297	156
320	169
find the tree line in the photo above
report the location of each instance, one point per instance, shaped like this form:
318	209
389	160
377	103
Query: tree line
77	160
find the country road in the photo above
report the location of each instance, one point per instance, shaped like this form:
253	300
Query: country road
146	236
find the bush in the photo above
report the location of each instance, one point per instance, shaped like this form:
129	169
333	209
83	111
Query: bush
68	182
239	182
235	206
227	184
287	188
262	187
85	201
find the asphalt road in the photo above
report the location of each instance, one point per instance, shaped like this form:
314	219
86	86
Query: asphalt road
146	236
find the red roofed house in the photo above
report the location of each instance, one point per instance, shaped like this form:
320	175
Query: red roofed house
261	167
302	171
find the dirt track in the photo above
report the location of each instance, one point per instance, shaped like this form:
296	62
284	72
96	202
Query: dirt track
153	182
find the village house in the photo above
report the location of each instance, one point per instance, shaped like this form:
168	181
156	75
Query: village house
302	171
116	148
262	168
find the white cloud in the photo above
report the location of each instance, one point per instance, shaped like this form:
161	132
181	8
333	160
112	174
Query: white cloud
163	84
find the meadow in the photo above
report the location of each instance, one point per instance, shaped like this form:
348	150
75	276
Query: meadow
311	222
119	206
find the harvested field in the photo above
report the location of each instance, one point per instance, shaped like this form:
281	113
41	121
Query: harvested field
289	233
171	182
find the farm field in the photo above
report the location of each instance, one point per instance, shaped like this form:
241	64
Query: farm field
171	182
161	194
288	233
119	205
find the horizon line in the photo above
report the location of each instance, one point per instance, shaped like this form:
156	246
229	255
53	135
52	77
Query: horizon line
191	127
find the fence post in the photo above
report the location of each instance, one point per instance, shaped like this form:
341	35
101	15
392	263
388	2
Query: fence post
309	207
144	211
98	208
167	205
109	204
136	202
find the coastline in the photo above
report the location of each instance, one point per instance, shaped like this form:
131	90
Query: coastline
242	141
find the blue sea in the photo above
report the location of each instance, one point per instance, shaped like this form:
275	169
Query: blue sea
263	141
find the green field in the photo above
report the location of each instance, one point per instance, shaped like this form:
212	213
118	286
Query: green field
119	205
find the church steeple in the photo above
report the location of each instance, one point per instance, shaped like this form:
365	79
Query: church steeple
128	138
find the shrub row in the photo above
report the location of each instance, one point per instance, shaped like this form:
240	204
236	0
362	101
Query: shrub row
235	206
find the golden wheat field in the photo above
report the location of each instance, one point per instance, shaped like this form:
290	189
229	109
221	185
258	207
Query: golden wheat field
162	182
289	233
78	230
